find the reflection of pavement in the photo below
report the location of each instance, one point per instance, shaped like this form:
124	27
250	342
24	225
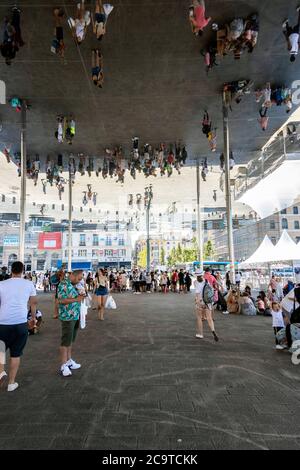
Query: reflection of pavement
147	382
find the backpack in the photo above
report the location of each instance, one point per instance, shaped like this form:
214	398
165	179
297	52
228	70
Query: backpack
54	280
208	293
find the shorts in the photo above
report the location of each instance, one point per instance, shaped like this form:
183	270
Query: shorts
101	291
96	71
59	33
69	331
14	337
100	18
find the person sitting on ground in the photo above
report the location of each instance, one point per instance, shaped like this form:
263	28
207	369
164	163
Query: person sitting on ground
232	302
34	325
246	306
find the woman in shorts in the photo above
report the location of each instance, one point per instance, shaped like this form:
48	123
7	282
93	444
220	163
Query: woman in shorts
99	21
101	292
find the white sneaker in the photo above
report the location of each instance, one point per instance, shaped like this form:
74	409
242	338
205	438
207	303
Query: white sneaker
72	364
278	346
199	336
225	313
3	375
12	387
65	371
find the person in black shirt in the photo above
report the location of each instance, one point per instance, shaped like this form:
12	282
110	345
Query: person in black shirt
188	281
4	276
181	280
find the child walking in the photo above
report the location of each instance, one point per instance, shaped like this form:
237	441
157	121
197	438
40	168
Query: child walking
278	322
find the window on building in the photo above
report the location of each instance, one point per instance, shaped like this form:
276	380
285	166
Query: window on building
95	240
53	206
82	253
272	225
82	239
283	211
122	253
91	210
108	252
295	210
284	224
62	207
33	204
81	209
94	253
121	241
108	241
3	198
296	225
14	200
274	240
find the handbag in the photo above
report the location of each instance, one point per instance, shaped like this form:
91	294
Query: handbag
110	303
83	313
88	300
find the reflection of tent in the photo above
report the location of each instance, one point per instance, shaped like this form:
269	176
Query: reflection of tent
286	249
264	253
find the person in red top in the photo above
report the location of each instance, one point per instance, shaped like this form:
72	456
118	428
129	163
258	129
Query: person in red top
197	17
174	280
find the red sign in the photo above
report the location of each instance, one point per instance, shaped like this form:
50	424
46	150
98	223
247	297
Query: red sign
49	241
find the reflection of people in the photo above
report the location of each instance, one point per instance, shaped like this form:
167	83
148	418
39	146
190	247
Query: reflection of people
197	17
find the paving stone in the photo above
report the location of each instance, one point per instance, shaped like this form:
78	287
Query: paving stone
130	394
110	443
42	429
130	429
67	442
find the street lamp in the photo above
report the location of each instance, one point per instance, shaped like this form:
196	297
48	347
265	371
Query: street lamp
147	204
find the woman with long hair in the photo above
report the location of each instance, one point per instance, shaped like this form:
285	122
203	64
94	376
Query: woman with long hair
101	292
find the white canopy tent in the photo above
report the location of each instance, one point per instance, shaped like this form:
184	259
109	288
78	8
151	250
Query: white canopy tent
285	250
264	253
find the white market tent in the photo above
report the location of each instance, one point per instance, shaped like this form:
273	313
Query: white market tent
285	250
263	254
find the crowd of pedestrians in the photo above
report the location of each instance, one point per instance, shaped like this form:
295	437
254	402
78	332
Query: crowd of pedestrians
20	317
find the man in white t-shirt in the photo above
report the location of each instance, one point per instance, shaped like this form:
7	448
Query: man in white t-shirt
15	294
203	309
292	37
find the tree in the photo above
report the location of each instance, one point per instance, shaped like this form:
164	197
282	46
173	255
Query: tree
172	257
179	254
162	256
142	258
208	250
